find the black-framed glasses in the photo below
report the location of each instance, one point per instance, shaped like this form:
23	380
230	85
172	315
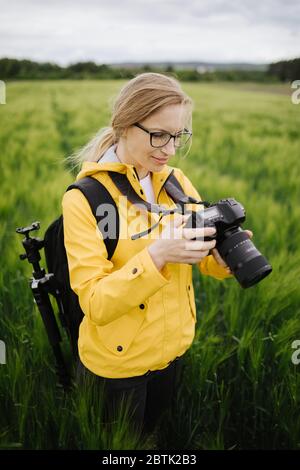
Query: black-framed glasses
161	138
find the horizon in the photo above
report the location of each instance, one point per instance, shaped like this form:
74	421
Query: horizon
147	62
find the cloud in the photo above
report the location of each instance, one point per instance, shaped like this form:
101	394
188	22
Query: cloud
66	31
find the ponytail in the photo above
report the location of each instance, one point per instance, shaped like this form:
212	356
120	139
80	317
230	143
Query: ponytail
94	149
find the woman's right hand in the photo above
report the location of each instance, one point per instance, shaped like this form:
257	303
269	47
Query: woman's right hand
176	244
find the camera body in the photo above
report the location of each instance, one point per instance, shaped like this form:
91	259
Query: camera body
246	263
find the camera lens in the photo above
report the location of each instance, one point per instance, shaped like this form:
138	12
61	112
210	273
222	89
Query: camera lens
247	264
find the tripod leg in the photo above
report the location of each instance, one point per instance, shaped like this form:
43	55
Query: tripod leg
44	305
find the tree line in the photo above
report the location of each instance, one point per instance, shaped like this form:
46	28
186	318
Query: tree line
14	69
286	70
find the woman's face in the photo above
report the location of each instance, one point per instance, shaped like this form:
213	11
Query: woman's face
135	148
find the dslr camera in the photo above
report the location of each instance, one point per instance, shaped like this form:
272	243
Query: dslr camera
246	263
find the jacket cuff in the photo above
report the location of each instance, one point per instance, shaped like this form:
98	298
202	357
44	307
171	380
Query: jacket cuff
210	267
160	277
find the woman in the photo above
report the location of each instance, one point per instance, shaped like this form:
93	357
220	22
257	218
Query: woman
139	306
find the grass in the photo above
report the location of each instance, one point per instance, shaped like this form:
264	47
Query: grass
240	388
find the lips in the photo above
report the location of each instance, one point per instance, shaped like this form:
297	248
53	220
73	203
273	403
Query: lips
160	160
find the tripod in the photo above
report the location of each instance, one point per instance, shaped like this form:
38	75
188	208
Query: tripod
43	284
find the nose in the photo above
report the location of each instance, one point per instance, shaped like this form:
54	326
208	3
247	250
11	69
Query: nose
169	148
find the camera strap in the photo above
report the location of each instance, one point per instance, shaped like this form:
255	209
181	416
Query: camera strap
173	189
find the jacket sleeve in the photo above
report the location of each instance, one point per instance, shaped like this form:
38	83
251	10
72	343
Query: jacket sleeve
104	293
208	266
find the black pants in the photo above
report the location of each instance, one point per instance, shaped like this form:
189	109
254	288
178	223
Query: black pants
147	397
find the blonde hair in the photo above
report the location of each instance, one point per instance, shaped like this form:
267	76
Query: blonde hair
140	97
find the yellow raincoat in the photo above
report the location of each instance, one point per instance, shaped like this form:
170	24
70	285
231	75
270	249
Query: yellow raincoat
137	318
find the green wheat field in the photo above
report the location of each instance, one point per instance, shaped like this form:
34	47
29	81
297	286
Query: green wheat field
240	387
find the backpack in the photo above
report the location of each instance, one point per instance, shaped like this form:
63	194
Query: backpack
54	248
56	257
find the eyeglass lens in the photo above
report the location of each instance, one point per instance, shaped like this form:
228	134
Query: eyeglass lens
159	139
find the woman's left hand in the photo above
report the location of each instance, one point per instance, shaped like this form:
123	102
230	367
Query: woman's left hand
220	260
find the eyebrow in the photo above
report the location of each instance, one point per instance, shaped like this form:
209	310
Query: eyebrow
156	129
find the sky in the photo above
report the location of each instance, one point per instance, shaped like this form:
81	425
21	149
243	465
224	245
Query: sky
112	31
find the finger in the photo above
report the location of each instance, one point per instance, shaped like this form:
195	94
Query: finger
190	259
199	245
190	233
172	228
178	220
250	233
218	258
186	217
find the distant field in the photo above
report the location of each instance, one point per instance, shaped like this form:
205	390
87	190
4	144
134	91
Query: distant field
241	388
277	88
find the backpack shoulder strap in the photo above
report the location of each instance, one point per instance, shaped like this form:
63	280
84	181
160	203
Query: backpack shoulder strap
171	185
96	195
175	190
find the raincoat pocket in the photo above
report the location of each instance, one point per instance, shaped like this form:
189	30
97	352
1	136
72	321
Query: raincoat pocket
118	335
